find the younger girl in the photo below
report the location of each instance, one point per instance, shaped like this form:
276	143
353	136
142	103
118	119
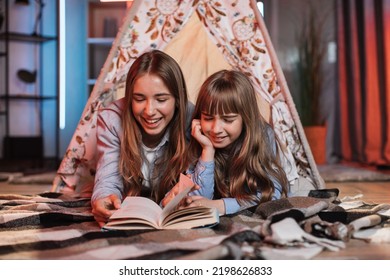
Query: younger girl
233	152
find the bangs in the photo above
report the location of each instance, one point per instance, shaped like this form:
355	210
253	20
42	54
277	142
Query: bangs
220	103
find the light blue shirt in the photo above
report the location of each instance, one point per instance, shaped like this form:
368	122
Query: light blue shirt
203	175
108	179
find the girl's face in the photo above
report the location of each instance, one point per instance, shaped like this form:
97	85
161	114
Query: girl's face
153	108
222	130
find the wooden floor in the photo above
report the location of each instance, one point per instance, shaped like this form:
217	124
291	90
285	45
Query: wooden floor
28	189
375	192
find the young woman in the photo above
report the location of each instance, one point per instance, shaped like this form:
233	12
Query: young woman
141	137
233	151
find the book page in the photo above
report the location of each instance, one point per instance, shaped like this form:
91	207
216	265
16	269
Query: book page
138	207
193	218
141	212
186	184
187	213
124	224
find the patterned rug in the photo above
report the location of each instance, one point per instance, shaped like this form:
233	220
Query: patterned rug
345	173
58	226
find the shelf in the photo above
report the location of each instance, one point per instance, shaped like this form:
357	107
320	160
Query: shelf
22	37
104	20
29	109
100	40
27	97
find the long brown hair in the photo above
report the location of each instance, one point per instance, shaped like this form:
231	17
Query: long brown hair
247	165
171	163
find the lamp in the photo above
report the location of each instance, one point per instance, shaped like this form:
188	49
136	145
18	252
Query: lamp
22	2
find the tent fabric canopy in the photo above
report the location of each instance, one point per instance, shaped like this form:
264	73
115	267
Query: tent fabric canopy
204	37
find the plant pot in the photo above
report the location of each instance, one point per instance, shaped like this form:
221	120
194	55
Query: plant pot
316	137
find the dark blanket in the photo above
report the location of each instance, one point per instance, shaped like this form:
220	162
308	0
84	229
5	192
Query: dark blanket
56	226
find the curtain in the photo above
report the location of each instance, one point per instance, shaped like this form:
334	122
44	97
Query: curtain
364	80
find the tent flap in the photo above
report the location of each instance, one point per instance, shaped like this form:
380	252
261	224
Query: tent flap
216	35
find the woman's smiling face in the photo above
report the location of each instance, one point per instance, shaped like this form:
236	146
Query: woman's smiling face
153	107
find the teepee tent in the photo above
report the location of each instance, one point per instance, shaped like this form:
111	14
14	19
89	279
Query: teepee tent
204	37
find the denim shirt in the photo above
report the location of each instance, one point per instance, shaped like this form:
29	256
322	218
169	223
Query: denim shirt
203	175
108	179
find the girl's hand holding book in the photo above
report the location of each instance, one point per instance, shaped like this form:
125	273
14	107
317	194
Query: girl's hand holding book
174	191
197	200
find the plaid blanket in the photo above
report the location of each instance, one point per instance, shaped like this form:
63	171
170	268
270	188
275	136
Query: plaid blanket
57	226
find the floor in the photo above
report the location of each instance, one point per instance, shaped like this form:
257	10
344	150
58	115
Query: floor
375	192
28	189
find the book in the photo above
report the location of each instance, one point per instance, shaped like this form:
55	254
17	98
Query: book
138	212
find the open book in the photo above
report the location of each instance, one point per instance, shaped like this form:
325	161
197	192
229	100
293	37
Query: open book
139	212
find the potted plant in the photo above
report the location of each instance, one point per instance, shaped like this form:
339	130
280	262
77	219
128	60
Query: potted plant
310	80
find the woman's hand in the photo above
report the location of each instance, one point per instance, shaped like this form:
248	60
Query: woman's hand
196	200
103	208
